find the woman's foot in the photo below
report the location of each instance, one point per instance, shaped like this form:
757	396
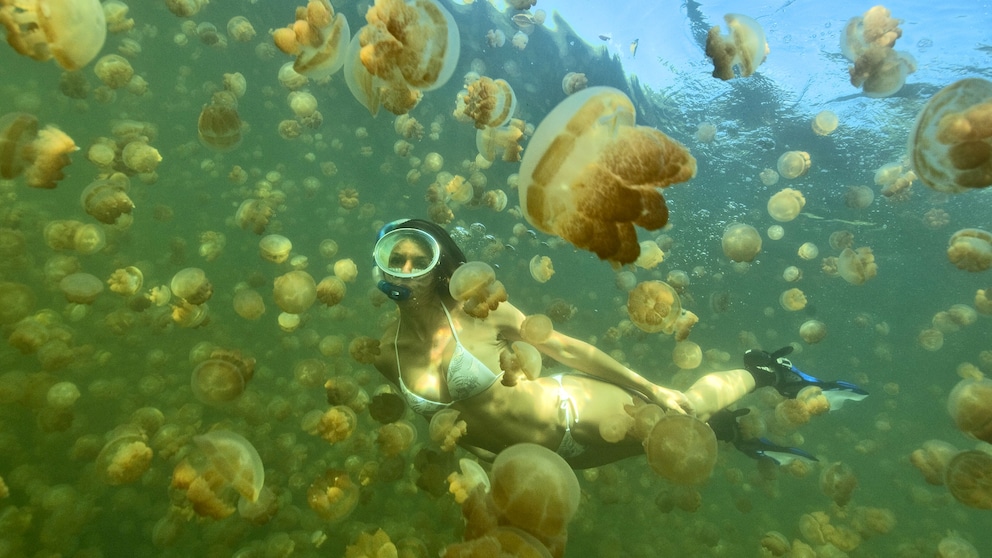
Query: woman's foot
773	369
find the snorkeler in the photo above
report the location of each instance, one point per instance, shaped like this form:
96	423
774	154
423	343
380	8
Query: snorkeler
440	357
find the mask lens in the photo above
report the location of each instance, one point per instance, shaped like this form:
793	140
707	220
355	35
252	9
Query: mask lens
406	253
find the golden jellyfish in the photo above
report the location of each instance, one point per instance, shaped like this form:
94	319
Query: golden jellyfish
837	482
495	38
840	240
395	438
275	248
346	270
983	301
318	38
687	355
523	360
519	40
295	292
534	489
867	41
858	197
951	143
786	204
792	300
219	127
683	325
235	459
489	103
185	8
70	31
856	266
808	251
970	405
682	449
743	49
81	288
125	457
446	429
775	232
954	546
17	131
589	174
706	132
541	268
931	339
253	215
248	304
333	425
651	255
114	71
50	150
106	199
793	164
969	478
501	143
222	378
191	284
140	157
931	460
240	29
825	122
410	47
741	243
474	284
971	250
792	274
654	306
768	177
331	290
495	200
289	322
126	281
813	331
536	329
573	82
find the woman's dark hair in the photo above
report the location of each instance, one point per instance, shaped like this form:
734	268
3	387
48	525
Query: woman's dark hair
451	255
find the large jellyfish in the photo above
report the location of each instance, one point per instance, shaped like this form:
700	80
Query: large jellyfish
589	174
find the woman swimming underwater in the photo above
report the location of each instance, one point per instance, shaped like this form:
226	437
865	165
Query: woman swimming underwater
440	357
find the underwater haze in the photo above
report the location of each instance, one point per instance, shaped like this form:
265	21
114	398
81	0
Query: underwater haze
106	398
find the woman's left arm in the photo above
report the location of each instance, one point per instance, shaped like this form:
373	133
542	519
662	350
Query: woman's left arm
588	359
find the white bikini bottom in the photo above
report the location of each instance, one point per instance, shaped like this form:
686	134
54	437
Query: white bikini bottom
569	415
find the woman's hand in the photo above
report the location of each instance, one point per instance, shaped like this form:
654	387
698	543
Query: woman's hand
671	400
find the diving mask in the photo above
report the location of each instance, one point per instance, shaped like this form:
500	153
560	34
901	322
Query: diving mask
406	253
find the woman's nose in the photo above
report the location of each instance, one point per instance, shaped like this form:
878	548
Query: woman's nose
407	266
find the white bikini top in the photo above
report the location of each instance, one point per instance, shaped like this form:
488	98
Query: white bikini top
466	376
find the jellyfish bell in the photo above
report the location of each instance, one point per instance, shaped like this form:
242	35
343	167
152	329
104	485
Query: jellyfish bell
969	479
812	331
318	38
589	174
333	495
931	460
541	268
235	459
106	199
191	284
17	131
71	31
654	306
682	449
856	266
217	381
687	355
825	122
793	164
573	82
951	143
275	248
785	205
219	127
971	250
125	457
81	288
536	329
534	489
489	103
970	405
295	291
744	48
741	242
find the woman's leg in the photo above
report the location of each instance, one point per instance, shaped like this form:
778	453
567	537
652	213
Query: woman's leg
717	390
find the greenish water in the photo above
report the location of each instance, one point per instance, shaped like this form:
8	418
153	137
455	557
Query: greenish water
124	358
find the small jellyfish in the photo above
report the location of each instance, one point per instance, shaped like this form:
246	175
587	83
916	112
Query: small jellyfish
812	331
793	164
682	449
235	459
221	378
824	123
191	284
971	250
743	49
474	284
541	268
857	266
295	291
654	306
785	205
219	127
687	355
573	82
970	405
808	251
969	478
81	288
793	300
536	329
333	495
741	243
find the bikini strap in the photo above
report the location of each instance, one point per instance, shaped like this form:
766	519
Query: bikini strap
451	324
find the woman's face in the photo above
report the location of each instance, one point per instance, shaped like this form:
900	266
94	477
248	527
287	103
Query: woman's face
408	256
